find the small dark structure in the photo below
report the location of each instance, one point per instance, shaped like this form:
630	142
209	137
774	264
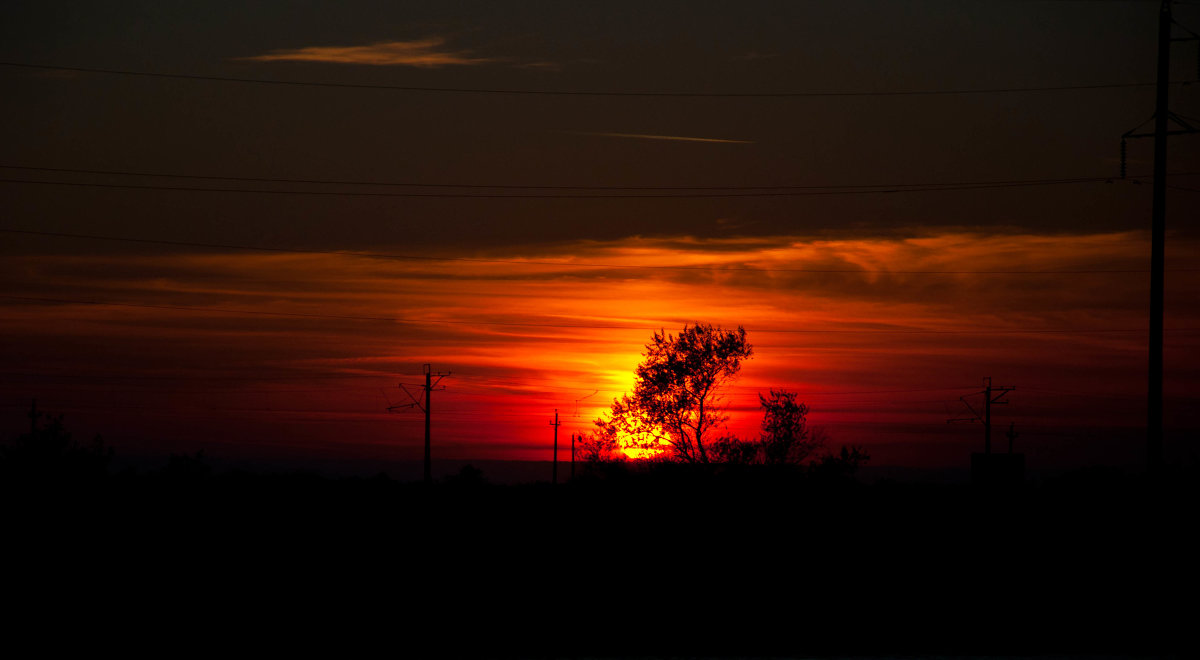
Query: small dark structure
988	468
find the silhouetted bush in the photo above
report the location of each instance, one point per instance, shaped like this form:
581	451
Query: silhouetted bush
468	476
48	456
841	465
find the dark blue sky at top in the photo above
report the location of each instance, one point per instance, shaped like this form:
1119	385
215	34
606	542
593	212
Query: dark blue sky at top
96	121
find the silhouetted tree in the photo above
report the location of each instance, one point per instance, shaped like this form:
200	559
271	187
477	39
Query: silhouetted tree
785	438
785	434
598	447
735	451
676	397
841	465
48	454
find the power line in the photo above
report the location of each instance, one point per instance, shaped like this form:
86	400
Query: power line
547	92
481	382
567	264
902	188
810	393
1096	395
390	319
473	385
79	384
500	186
747	392
75	374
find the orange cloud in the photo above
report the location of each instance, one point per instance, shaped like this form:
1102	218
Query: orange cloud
877	334
423	53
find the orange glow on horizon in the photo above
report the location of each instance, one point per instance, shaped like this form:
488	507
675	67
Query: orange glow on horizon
642	453
523	339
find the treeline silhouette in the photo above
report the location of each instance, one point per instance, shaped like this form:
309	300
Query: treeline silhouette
625	559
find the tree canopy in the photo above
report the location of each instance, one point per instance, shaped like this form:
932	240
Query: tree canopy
675	402
48	455
785	433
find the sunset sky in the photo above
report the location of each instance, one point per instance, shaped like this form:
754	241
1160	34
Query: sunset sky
883	193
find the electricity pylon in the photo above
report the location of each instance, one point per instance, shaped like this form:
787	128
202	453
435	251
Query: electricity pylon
554	473
1158	214
429	386
992	394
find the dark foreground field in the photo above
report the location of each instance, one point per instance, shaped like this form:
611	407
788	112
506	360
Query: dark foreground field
670	563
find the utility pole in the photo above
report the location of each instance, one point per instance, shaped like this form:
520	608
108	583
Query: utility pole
987	415
1158	217
992	394
572	456
988	400
555	424
1158	224
428	387
988	469
428	461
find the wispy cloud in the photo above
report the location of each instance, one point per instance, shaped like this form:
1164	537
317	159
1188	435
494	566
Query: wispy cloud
425	53
676	138
887	321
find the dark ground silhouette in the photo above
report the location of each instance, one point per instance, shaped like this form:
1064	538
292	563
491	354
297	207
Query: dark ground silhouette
677	560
